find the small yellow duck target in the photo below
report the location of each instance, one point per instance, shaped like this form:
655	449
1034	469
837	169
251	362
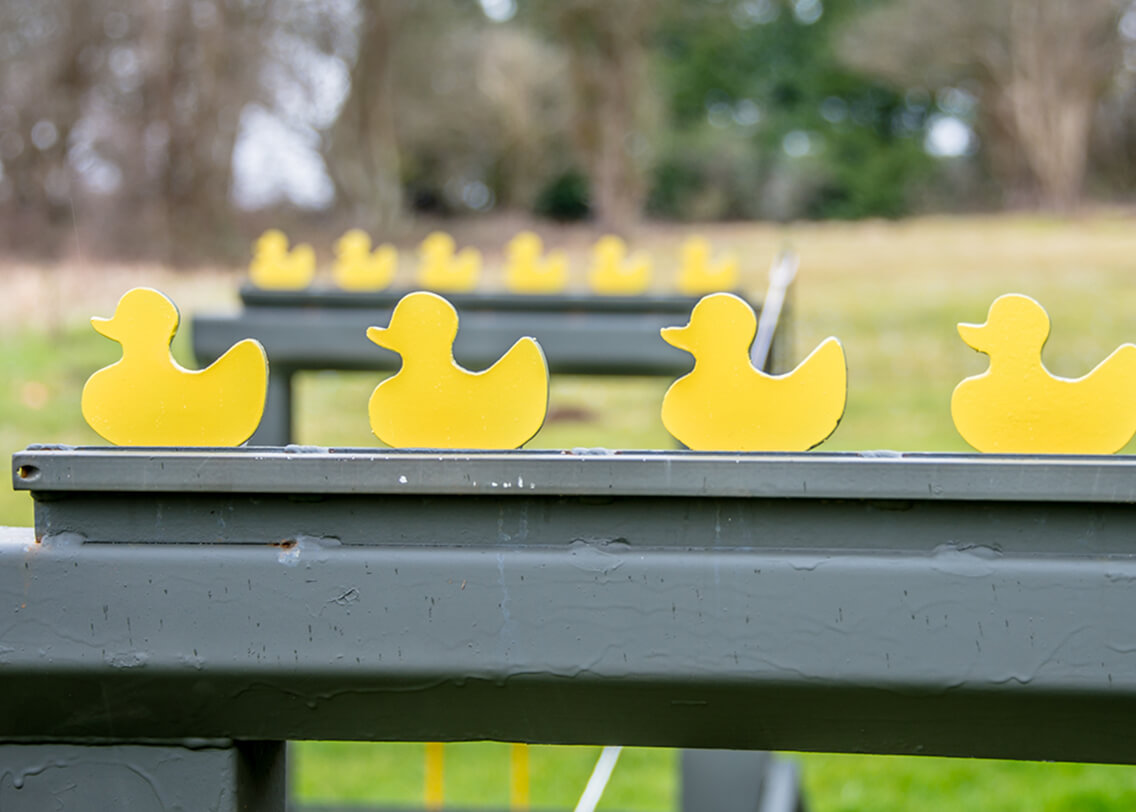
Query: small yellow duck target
358	268
442	269
526	271
274	267
1017	406
431	402
614	273
726	404
147	399
699	274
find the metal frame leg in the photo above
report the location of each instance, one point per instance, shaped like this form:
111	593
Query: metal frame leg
276	425
189	776
739	781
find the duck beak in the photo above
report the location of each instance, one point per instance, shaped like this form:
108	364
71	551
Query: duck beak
104	327
972	334
382	337
676	337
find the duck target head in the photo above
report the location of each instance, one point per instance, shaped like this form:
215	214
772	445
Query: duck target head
716	318
354	240
437	242
419	318
525	244
1013	319
140	312
272	240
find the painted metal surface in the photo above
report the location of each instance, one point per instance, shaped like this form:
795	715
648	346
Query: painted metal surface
882	476
965	617
575	342
192	776
147	398
726	404
739	781
1018	406
577	303
325	328
431	402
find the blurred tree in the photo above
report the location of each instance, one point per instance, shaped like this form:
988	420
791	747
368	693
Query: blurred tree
45	73
1112	153
766	122
361	149
122	116
1038	68
613	104
198	65
482	114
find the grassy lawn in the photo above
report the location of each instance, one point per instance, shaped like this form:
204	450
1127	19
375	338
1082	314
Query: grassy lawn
892	292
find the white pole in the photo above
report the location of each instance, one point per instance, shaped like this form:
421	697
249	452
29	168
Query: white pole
598	782
781	275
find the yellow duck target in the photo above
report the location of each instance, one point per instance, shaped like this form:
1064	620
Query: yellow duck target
726	404
1017	406
444	269
700	273
147	399
614	272
357	268
431	402
274	267
527	271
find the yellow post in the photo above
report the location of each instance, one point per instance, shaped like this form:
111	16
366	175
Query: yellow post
435	774
519	777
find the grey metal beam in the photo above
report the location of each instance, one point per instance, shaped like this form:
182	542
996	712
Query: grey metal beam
735	612
807	476
324	328
566	302
275	426
592	343
954	652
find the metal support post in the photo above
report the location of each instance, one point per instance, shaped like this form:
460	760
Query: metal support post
275	427
191	776
739	781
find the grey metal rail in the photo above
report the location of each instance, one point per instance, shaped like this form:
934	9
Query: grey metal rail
326	329
926	604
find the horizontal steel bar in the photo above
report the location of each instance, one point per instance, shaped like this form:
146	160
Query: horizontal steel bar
596	472
329	297
952	651
596	343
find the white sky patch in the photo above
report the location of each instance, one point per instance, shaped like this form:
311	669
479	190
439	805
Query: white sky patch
499	11
948	137
274	163
276	157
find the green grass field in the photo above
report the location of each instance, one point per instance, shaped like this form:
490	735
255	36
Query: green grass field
892	292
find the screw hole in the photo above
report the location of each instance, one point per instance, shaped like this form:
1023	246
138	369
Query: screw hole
27	472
